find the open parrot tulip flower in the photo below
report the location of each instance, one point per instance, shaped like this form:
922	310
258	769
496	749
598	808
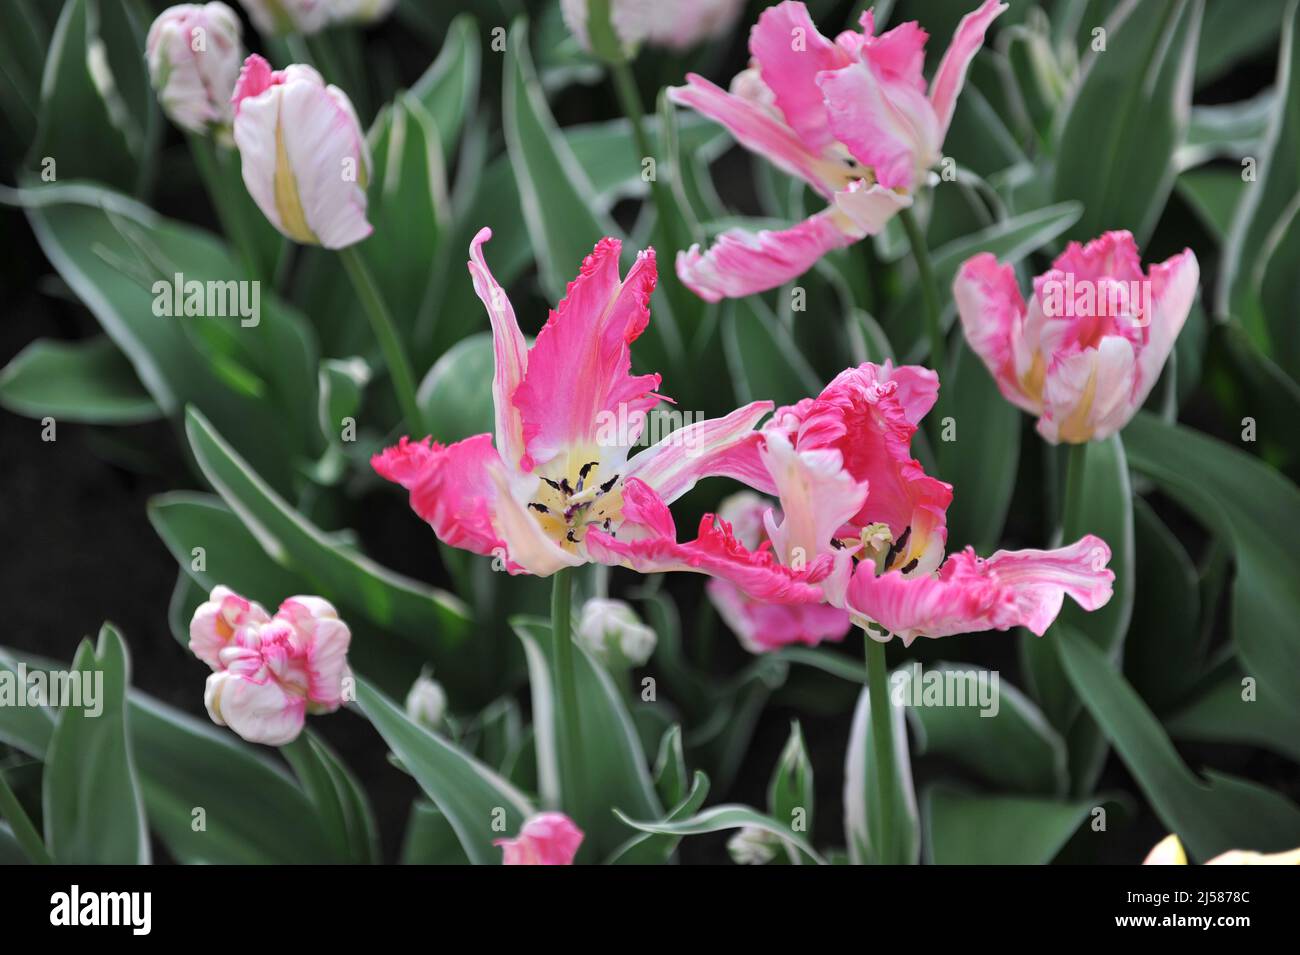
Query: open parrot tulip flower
854	502
269	672
851	117
1087	349
304	156
559	486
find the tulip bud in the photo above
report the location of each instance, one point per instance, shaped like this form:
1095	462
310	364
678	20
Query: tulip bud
613	633
549	838
275	17
361	11
752	846
304	157
194	52
426	702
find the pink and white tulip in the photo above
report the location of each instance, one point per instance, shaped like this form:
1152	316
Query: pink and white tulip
855	504
548	838
276	17
194	52
269	672
851	117
1086	350
559	487
304	156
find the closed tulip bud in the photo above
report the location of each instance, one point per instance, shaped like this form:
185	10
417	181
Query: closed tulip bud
752	846
304	157
194	51
275	17
426	702
614	634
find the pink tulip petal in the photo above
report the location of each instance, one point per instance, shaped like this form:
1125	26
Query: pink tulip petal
723	447
217	622
817	494
950	77
887	124
790	53
765	626
260	711
969	594
549	838
753	127
510	353
992	312
718	553
1088	393
741	263
869	418
578	369
870	208
326	641
1173	291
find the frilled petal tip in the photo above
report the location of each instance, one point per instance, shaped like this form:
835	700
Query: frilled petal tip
578	370
741	263
217	621
969	594
548	838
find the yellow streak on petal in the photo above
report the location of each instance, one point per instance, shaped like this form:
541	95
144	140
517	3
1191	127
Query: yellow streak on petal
1075	429
293	221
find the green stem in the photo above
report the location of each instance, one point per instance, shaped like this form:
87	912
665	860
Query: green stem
28	838
568	734
929	292
882	743
229	212
1072	513
629	98
381	320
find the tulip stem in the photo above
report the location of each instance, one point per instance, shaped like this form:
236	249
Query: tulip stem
1072	510
567	731
882	745
381	320
929	293
24	832
213	171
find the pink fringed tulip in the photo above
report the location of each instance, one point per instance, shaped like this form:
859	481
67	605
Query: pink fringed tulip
1087	349
1169	851
274	17
194	52
763	626
269	672
856	506
549	838
558	488
304	157
851	117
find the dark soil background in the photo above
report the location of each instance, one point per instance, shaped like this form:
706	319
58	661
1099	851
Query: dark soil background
78	549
